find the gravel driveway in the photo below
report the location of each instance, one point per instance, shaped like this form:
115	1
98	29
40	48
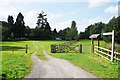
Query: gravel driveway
55	68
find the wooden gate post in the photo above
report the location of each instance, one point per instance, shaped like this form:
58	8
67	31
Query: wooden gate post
80	48
98	44
26	49
12	48
53	48
92	45
113	46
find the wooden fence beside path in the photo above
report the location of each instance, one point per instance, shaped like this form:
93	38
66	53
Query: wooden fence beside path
15	48
106	53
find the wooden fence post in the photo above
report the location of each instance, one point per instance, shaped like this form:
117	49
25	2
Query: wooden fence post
12	48
53	48
92	45
98	44
113	45
26	49
80	48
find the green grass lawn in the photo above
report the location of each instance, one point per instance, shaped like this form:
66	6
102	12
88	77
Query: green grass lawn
17	64
89	61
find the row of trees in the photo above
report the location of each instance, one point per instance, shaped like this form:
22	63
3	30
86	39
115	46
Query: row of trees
100	27
15	30
18	30
43	30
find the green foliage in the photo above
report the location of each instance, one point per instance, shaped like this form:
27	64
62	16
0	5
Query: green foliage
93	29
72	33
43	29
100	27
54	33
113	24
19	28
81	35
27	32
5	31
63	33
11	30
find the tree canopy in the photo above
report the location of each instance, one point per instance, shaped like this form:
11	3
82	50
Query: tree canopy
72	33
18	30
113	24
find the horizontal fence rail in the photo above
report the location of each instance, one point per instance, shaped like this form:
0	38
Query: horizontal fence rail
15	48
106	53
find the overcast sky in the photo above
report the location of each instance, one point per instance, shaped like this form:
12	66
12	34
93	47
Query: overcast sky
61	13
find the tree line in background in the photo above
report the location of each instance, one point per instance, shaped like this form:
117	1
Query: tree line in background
43	30
17	30
98	28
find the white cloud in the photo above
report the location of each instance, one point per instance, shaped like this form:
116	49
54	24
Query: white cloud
55	20
4	2
81	24
54	16
75	11
112	10
98	19
8	8
97	3
4	14
44	0
30	19
60	25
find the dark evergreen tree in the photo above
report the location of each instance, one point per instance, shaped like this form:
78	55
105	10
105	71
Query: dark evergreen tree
82	35
5	30
54	33
43	29
27	32
19	28
47	31
63	33
10	25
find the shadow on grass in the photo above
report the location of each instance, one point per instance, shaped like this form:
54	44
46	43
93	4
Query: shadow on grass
9	48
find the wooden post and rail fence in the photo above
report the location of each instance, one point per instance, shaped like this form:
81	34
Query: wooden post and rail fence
103	52
25	48
107	54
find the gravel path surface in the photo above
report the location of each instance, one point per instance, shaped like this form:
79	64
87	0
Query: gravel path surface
56	68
